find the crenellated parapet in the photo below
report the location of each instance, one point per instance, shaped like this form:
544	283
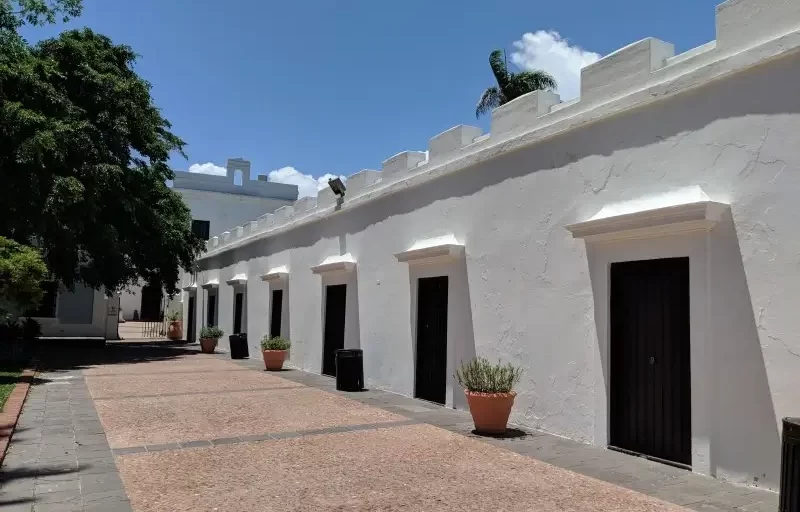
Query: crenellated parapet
748	32
260	187
624	69
402	162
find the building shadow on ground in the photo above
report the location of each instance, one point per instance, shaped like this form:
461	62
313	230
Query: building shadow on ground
69	355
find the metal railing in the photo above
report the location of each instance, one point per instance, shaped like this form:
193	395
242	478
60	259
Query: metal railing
154	329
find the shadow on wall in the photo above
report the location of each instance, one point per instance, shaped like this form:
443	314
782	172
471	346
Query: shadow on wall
738	97
340	323
735	418
464	336
352	322
460	333
745	429
286	311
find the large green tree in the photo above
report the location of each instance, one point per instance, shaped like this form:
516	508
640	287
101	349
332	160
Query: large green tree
15	13
84	158
510	85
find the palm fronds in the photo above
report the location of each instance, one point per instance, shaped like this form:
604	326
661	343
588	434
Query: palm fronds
511	85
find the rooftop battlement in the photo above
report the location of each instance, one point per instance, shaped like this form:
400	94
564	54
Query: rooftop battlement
259	187
749	32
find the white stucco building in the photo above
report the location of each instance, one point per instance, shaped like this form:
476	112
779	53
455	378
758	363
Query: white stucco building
82	313
217	203
635	251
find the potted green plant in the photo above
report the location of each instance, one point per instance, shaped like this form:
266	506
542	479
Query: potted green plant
274	350
175	328
490	394
209	336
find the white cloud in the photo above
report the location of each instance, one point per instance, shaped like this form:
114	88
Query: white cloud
548	51
208	168
307	185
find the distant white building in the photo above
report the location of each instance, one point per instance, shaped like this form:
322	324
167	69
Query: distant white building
217	204
81	313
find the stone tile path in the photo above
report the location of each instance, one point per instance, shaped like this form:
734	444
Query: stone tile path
170	429
670	484
59	459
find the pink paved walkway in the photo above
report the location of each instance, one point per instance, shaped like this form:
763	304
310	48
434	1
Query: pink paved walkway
177	407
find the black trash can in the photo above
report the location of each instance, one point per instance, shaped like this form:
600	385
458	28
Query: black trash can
349	369
790	466
239	348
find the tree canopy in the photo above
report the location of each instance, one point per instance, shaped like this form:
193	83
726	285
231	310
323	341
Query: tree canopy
15	13
510	85
21	274
84	158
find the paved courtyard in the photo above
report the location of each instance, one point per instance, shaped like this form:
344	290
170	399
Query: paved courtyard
149	427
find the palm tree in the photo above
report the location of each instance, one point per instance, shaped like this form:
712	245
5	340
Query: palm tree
511	85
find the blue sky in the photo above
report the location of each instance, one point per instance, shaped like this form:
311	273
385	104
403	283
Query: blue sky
316	87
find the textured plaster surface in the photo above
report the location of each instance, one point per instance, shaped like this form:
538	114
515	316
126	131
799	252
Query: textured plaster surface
172	419
402	468
526	291
129	385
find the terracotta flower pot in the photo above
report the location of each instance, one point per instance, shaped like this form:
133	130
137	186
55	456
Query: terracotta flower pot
490	411
208	345
273	359
175	330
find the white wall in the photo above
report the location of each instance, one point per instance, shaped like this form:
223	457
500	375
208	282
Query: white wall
224	211
130	300
103	324
725	119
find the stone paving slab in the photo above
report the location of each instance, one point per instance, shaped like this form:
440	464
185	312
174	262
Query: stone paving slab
678	486
221	441
59	458
124	385
193	364
174	419
12	409
417	467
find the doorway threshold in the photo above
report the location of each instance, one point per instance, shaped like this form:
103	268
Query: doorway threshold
672	463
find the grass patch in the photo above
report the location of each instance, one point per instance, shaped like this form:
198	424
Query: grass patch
8	379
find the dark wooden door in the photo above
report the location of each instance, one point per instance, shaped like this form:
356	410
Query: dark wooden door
335	308
190	321
276	314
151	304
211	313
238	306
650	399
431	369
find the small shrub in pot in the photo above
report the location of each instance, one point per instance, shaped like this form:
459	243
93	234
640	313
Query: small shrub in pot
175	328
209	336
274	351
490	392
